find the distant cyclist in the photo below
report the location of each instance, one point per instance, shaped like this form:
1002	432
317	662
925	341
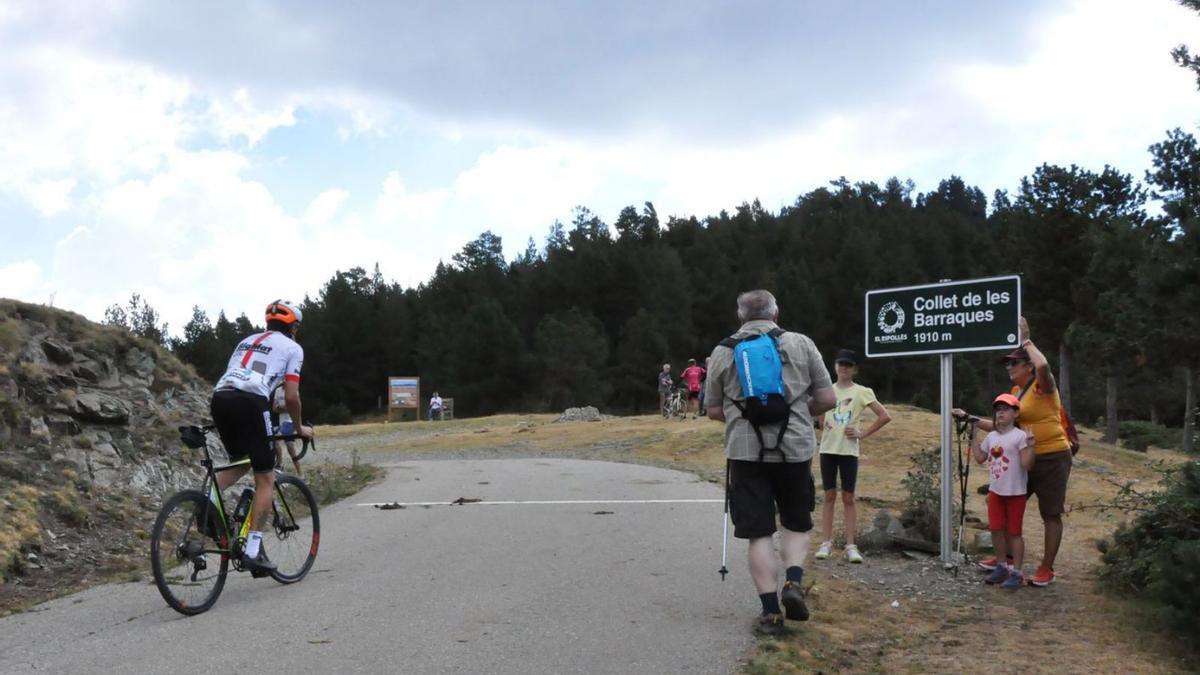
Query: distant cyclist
241	412
286	428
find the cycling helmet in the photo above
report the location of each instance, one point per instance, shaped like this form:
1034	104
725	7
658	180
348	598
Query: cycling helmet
285	311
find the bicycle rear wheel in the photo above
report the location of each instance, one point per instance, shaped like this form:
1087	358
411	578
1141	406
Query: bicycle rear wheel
189	565
295	532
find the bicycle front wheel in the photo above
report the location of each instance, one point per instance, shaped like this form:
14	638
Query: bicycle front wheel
189	563
295	532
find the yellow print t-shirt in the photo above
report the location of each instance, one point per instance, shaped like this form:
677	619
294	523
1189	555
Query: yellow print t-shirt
845	414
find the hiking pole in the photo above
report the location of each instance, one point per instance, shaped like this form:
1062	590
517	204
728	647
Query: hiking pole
964	475
725	526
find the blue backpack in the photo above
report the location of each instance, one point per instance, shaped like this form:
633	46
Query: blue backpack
760	372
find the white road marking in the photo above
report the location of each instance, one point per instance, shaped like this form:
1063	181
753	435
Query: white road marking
550	502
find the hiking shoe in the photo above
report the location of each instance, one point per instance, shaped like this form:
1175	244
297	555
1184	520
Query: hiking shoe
770	625
1044	576
259	566
1014	581
792	599
823	550
998	575
852	554
988	564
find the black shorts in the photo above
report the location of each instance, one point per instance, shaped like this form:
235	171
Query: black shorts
757	488
243	421
693	395
832	465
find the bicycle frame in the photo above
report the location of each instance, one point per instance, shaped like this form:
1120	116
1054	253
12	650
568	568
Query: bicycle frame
229	541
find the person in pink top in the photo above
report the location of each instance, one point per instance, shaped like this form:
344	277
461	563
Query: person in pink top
693	375
1009	449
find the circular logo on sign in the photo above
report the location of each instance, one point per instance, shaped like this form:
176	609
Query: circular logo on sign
1012	338
890	317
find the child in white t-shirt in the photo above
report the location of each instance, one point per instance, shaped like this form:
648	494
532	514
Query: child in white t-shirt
1009	449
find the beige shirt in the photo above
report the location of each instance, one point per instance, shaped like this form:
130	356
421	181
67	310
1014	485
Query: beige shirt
803	373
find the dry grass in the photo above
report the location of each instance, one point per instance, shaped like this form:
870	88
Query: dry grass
1070	627
18	525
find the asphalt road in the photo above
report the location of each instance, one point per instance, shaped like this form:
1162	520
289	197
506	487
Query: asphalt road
477	588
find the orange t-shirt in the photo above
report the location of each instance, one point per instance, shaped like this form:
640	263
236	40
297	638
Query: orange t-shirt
1040	414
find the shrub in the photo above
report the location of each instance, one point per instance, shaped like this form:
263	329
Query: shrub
922	504
1157	555
1139	435
11	336
338	413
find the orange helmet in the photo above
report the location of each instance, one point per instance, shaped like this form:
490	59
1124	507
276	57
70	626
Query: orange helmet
285	311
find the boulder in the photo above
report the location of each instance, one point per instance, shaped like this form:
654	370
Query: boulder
62	425
101	408
585	414
58	352
139	362
88	371
38	428
881	533
983	541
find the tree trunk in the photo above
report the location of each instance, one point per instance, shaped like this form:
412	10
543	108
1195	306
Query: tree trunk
1064	376
1110	410
1189	413
1153	414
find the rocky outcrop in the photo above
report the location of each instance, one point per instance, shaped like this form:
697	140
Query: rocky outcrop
96	400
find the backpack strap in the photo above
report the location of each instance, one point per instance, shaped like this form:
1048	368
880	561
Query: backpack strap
1027	387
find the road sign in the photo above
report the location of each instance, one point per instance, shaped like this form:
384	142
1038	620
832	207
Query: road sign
952	316
943	318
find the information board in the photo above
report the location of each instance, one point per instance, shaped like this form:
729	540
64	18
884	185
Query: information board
404	392
952	316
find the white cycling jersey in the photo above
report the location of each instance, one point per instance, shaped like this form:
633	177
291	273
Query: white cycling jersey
262	362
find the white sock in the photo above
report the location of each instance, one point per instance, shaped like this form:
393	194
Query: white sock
253	542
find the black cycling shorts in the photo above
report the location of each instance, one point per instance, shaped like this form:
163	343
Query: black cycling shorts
243	421
832	465
756	489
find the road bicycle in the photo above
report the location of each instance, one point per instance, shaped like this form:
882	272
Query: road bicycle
196	539
675	404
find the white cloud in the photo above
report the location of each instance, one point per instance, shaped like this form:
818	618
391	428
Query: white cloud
48	197
236	116
20	279
322	209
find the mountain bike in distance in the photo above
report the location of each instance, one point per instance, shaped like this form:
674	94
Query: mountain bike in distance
196	539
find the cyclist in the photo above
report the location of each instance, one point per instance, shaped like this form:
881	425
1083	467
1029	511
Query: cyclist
241	412
286	428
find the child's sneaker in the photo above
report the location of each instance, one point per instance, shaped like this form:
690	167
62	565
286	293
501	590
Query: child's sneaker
998	575
1044	576
823	550
852	554
988	564
1014	581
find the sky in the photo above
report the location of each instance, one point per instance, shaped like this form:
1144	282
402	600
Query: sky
225	154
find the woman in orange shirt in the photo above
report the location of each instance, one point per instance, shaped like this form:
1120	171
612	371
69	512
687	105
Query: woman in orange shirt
1041	410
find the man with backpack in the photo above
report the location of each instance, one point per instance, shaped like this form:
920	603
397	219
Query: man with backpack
767	385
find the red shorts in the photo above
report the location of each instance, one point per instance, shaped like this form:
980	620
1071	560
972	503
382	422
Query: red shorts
1006	513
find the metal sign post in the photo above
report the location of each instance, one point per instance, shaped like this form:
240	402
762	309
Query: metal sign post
943	319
